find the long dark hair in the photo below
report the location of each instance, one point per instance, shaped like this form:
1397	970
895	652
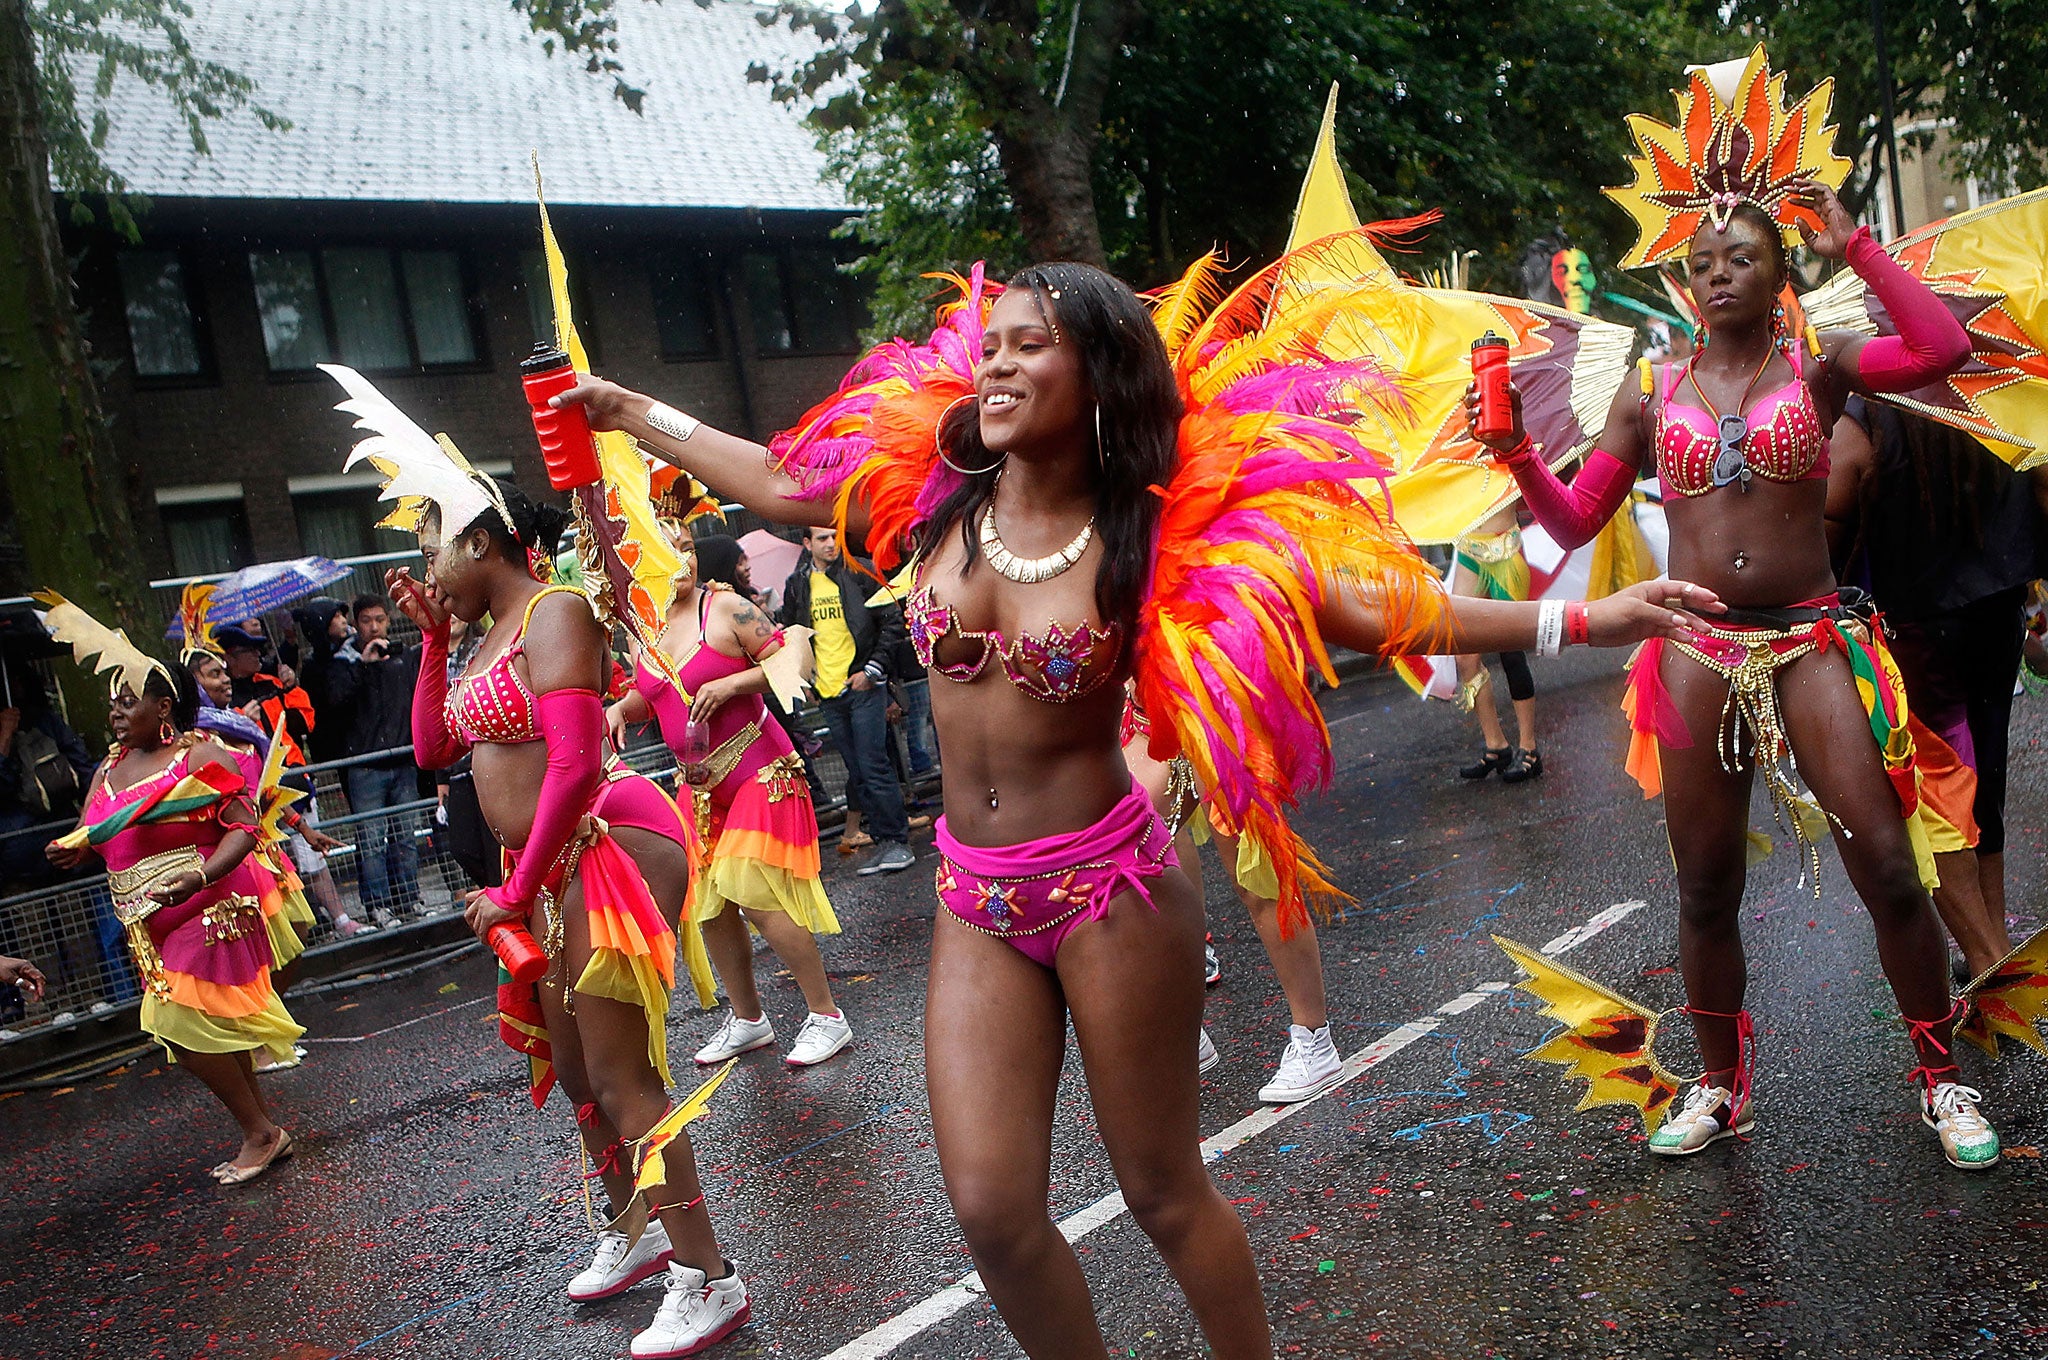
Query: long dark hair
533	525
718	559
1140	422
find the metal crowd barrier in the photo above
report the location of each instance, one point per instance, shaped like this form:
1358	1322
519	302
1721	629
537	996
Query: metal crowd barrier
68	930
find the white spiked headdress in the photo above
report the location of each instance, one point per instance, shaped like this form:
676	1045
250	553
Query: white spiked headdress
418	468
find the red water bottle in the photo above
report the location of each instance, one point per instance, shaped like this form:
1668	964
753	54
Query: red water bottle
516	948
566	444
1490	371
695	752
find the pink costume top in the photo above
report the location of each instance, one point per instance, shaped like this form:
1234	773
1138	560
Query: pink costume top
494	705
744	739
211	950
1060	664
1785	441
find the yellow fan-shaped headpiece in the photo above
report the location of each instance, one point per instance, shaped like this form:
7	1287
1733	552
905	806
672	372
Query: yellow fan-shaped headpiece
108	649
1735	142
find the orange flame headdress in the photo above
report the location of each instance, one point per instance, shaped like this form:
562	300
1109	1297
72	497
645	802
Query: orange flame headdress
1736	142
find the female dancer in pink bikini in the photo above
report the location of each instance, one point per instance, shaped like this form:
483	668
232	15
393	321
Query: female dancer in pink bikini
755	836
598	859
1739	436
1055	545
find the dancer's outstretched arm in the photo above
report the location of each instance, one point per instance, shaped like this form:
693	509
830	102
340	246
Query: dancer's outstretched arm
737	469
1353	615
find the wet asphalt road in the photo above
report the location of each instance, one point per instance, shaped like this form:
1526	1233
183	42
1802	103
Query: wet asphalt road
1447	1202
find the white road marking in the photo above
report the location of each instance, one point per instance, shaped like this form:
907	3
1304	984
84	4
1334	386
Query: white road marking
886	1336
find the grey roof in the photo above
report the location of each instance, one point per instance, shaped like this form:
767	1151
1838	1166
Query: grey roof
442	101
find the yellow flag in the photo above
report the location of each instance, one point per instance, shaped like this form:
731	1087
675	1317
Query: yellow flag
1324	207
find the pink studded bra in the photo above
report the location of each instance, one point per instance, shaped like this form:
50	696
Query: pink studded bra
1053	667
494	705
1783	438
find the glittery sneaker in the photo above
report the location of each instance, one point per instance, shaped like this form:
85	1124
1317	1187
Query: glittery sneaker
1206	1055
734	1037
621	1263
1705	1118
820	1038
1967	1138
695	1313
1309	1067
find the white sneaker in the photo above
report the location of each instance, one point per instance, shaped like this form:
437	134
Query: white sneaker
1967	1139
820	1038
1707	1117
1309	1067
734	1037
695	1312
1206	1055
620	1264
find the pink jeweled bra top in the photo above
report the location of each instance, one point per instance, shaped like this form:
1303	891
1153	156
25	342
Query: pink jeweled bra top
494	705
1785	443
1059	664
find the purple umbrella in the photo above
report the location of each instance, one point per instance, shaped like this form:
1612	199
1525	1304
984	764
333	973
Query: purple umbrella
269	585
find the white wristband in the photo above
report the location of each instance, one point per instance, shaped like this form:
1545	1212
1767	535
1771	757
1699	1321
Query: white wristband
668	420
1550	628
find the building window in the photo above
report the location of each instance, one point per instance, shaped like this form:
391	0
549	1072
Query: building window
801	303
828	310
373	309
682	306
540	301
342	523
208	533
163	328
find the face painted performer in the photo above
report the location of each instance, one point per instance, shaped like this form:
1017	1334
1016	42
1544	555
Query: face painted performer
1092	492
1790	678
1571	274
754	832
178	825
598	858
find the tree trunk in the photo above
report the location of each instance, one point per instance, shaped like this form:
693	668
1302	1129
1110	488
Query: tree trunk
1047	170
69	505
1046	140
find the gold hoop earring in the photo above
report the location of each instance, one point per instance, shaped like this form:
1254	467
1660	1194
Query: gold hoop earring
939	445
165	733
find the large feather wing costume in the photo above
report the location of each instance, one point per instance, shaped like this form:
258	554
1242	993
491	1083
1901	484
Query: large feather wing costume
1276	493
1566	366
1607	1040
1989	268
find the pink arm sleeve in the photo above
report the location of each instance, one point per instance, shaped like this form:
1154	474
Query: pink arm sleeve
1573	513
1930	342
434	747
572	720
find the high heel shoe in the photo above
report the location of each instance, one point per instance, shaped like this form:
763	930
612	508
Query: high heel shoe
1521	766
1493	758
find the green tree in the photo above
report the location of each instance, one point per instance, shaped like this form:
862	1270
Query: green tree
1508	117
1981	66
68	501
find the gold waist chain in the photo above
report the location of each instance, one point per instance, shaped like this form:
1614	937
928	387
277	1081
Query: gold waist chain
1753	702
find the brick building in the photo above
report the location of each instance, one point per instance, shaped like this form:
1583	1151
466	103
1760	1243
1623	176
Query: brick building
392	228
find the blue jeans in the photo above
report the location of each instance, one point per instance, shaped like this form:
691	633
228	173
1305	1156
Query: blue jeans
384	845
859	723
917	726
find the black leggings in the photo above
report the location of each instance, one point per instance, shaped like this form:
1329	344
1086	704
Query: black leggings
1515	666
1969	658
